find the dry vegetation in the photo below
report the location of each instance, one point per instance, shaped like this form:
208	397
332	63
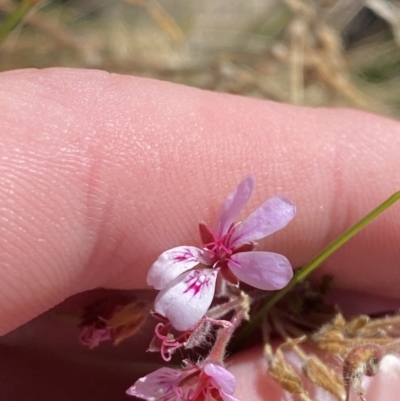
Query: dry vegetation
312	52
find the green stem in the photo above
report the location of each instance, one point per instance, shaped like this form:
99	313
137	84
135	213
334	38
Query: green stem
15	18
302	273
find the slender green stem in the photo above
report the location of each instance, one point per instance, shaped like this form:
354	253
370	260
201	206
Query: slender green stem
302	273
15	18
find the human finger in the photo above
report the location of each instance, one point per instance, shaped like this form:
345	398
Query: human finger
101	173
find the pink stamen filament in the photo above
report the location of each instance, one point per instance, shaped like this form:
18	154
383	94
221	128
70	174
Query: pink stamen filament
223	323
220	247
167	345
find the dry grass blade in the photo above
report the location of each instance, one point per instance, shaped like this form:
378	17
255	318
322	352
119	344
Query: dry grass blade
284	50
298	31
284	374
389	12
315	46
321	375
339	336
15	17
164	20
317	371
57	32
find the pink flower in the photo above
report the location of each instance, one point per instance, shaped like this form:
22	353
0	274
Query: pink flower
211	383
186	293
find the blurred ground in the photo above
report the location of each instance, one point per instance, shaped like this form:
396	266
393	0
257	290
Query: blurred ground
311	52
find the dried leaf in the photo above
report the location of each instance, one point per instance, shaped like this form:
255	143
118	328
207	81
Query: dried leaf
283	373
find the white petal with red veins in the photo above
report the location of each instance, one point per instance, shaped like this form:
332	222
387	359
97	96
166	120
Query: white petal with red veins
172	263
233	205
264	270
271	216
185	300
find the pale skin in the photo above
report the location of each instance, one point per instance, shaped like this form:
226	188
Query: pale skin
101	173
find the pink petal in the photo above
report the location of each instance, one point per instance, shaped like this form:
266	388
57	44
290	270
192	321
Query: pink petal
92	336
157	385
172	263
271	216
233	205
263	270
224	379
227	397
185	300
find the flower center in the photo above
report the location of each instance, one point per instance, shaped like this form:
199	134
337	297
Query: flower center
219	248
